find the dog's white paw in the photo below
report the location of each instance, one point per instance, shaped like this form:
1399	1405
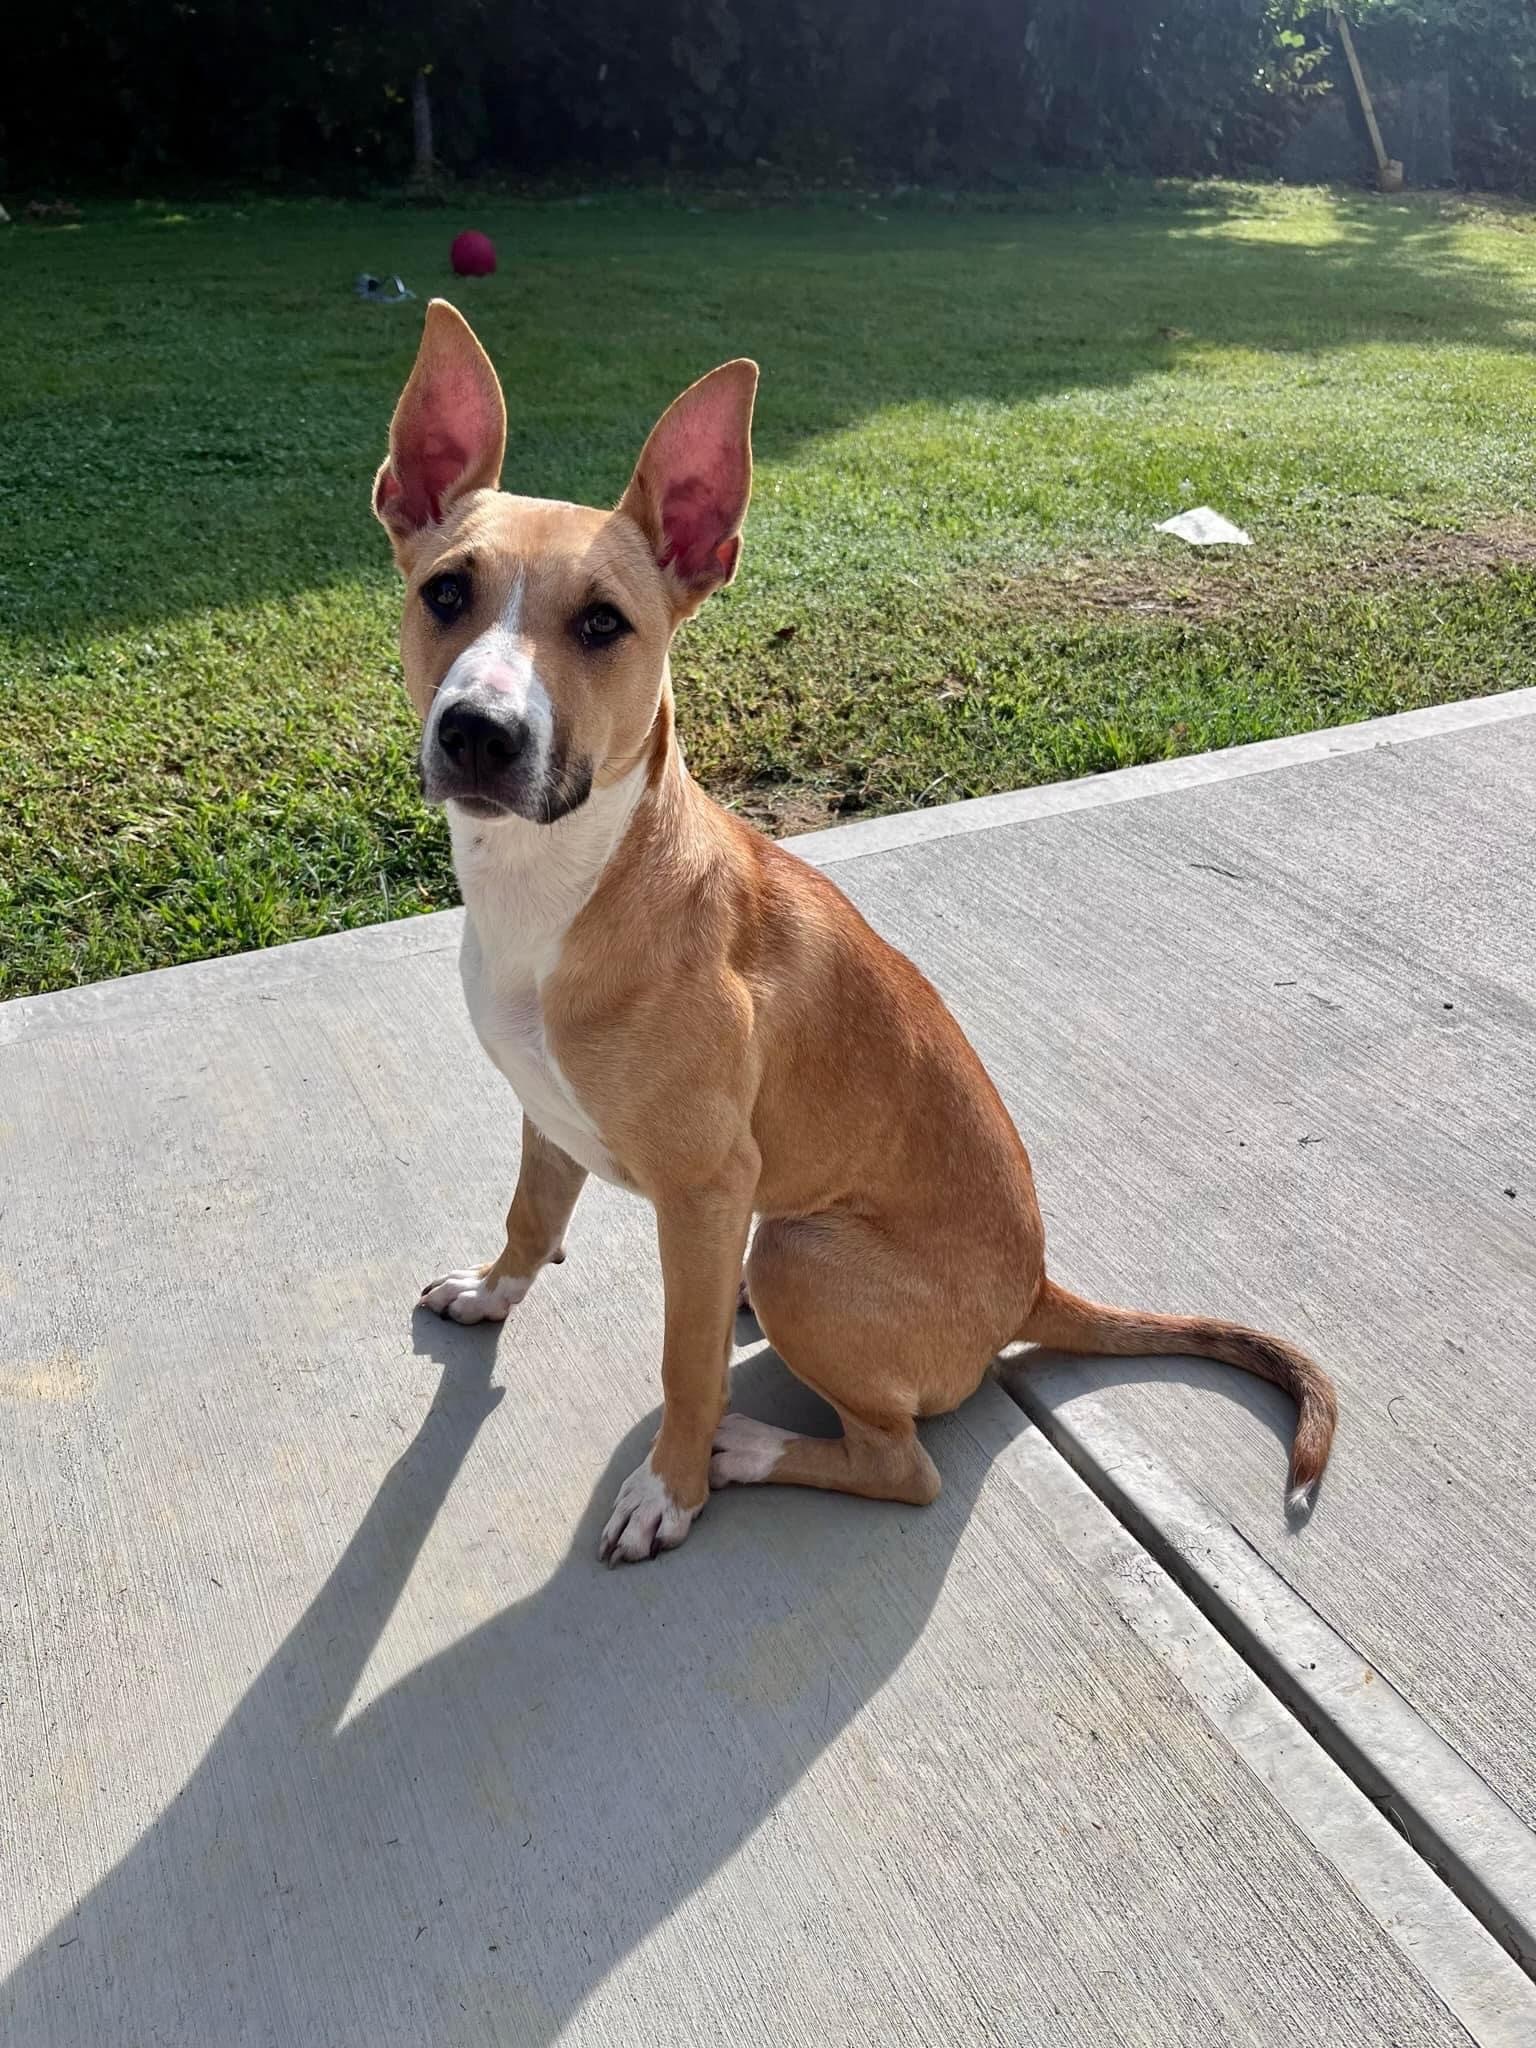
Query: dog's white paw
746	1451
645	1519
469	1297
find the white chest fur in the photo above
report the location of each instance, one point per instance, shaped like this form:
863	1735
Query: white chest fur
523	885
505	1008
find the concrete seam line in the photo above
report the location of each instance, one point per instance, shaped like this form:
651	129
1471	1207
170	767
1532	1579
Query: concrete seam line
1454	1819
1453	1953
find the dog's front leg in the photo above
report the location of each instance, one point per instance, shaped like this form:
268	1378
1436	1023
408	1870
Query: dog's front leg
702	1234
548	1182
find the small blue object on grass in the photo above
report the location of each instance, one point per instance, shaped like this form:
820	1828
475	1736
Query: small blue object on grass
391	291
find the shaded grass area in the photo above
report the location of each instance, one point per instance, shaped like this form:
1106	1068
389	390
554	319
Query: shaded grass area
969	423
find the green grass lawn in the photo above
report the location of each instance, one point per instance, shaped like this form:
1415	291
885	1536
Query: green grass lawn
969	422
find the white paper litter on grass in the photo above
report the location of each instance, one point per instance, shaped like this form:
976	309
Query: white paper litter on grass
1203	528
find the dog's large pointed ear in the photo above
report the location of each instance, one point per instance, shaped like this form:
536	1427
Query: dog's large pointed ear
449	432
689	492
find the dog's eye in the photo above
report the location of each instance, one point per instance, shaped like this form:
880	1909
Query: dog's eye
600	623
445	596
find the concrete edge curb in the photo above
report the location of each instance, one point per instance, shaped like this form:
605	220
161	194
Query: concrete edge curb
1154	778
172	991
1456	1822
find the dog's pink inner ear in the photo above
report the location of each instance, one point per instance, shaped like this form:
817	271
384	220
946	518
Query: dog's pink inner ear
412	489
698	544
690	488
446	437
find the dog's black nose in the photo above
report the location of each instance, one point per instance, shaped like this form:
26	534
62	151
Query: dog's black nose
482	748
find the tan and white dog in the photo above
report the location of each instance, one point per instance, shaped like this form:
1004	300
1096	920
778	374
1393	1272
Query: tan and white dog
688	1010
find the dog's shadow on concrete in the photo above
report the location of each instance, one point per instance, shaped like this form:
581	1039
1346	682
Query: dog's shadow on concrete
471	1853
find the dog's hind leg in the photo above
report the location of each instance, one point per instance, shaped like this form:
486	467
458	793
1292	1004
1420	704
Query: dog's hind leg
879	1461
860	1325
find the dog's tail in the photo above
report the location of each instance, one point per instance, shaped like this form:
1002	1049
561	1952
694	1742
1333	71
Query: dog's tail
1066	1322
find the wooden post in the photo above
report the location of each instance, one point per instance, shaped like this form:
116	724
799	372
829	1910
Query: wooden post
1389	172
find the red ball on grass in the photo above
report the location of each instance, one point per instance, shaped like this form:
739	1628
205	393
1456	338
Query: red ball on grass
472	254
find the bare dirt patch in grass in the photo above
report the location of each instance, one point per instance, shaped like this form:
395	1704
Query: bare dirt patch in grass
1210	586
782	812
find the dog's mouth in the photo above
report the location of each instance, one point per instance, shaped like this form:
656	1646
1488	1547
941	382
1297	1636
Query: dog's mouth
543	802
484	807
544	806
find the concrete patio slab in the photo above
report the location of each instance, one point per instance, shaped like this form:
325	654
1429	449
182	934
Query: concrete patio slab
322	1725
1268	1021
